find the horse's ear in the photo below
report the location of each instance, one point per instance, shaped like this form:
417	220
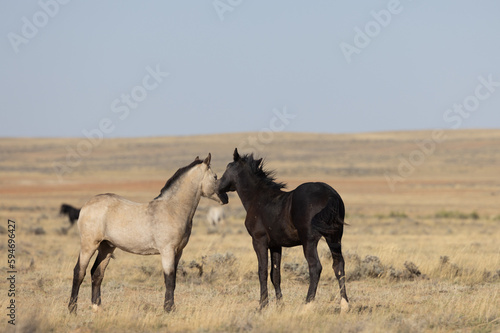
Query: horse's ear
236	156
207	160
197	158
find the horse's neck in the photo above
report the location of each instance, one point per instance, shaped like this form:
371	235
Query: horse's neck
250	191
183	197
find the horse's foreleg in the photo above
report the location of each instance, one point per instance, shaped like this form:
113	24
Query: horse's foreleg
311	254
275	271
78	276
262	257
97	272
168	260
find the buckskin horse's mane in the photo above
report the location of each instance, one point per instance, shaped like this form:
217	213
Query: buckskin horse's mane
178	174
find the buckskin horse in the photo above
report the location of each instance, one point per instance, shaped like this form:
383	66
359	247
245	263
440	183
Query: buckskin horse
277	219
162	226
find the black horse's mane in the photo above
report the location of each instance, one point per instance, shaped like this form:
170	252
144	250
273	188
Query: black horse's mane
267	177
178	174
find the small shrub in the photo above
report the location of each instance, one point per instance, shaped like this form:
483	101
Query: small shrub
300	271
216	266
392	214
445	214
412	268
39	231
397	214
474	215
194	264
449	269
371	266
411	273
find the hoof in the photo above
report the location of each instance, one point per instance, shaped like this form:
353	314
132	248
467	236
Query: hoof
72	308
169	308
344	306
263	304
96	308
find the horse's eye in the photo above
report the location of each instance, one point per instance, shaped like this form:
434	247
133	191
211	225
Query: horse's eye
215	177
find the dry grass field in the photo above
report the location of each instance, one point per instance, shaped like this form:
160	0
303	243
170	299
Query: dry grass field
421	248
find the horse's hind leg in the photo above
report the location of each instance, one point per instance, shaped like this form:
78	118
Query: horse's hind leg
311	254
338	267
101	262
86	252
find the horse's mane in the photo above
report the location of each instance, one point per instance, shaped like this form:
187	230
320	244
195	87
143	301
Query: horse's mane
267	177
178	174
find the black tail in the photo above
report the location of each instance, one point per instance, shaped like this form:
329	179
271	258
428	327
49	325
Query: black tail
330	219
72	212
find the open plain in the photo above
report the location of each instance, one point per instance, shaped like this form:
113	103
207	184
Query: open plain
421	247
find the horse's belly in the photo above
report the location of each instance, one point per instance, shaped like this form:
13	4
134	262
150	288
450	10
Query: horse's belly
139	250
283	237
290	243
133	243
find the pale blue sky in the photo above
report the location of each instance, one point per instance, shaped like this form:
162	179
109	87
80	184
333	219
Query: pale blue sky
88	64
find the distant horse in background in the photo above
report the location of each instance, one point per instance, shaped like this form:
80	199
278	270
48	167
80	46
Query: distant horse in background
276	218
215	216
72	212
162	226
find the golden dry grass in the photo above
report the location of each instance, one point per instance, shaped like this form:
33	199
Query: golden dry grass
444	219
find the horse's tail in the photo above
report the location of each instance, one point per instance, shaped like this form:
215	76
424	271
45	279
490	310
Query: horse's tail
330	219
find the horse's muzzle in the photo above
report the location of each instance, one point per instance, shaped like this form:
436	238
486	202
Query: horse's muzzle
223	198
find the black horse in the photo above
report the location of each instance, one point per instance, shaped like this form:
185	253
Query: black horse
72	212
276	218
